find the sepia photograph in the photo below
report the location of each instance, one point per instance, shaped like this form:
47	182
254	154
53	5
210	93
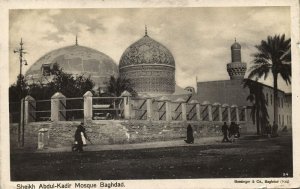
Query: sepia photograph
114	94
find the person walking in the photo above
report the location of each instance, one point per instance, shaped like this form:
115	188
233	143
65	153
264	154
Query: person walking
189	135
79	134
225	132
236	130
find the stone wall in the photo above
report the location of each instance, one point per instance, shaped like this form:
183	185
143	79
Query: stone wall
119	132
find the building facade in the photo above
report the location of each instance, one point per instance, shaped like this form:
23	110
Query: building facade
233	91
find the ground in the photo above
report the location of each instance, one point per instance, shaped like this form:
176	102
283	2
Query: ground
251	156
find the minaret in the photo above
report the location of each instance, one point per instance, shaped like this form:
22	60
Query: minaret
76	42
236	69
146	32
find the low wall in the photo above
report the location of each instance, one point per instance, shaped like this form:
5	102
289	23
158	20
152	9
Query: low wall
118	132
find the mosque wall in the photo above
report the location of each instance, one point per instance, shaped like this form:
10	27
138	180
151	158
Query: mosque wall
61	133
233	92
224	92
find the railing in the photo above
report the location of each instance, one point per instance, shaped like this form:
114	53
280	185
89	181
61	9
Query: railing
204	113
41	111
224	114
177	111
215	113
159	110
72	108
105	108
242	114
140	108
233	114
191	112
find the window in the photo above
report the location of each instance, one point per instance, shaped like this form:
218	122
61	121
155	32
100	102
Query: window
267	99
46	69
282	119
279	119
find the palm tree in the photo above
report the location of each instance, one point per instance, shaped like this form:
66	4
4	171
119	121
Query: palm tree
274	55
115	86
259	112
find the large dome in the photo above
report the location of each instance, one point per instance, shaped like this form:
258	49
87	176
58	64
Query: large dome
76	60
149	66
146	51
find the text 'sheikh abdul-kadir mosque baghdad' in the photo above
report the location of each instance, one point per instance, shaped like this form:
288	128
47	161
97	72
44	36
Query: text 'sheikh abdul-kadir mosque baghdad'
150	67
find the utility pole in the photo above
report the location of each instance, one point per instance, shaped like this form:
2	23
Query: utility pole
21	52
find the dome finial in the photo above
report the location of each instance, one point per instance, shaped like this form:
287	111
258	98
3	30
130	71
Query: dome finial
76	42
146	33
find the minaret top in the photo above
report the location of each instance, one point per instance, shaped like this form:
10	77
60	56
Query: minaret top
146	33
236	69
21	43
235	45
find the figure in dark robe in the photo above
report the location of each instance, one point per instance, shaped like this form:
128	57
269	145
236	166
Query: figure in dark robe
189	135
231	129
225	132
236	130
79	133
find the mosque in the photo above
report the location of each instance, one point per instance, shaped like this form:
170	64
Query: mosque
150	66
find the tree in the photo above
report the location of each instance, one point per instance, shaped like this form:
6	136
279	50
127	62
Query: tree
65	83
18	90
274	55
68	84
259	112
115	86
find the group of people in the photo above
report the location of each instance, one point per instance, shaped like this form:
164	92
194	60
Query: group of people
271	131
232	131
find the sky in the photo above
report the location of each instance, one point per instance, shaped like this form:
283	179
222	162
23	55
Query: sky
199	38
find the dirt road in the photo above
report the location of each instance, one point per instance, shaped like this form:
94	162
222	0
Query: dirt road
249	157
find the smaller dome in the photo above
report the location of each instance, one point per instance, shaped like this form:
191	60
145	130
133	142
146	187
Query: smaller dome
146	51
235	45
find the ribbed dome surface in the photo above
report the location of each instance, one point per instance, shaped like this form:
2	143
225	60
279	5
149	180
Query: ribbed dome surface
146	51
77	60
